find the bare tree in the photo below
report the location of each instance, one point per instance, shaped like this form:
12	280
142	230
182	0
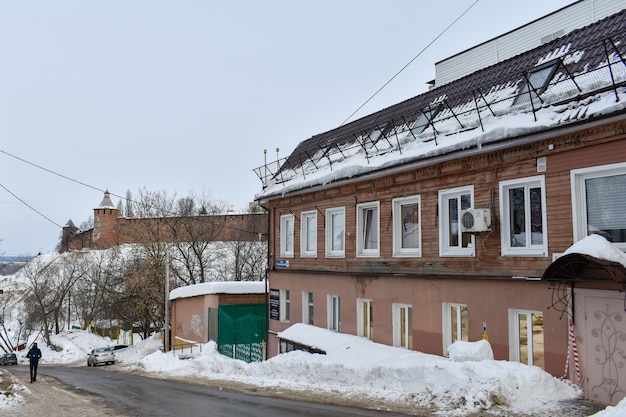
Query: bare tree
97	291
87	224
249	260
129	205
248	256
141	297
179	223
10	313
40	294
48	283
186	206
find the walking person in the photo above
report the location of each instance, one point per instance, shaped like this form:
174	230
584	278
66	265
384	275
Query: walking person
34	354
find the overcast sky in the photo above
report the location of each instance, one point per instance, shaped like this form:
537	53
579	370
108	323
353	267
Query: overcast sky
184	96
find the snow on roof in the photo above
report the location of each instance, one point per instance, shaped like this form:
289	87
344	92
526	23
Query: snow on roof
223	287
598	247
451	122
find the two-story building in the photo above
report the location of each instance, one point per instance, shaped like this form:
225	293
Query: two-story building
444	217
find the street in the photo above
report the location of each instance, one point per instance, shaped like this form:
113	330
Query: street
133	395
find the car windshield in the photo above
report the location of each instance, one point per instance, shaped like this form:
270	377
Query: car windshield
104	349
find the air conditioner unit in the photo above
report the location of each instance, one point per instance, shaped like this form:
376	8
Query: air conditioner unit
476	220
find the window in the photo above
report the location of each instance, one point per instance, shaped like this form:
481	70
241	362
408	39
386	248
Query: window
599	198
452	242
538	81
455	324
364	317
425	119
526	337
286	345
376	134
307	307
284	305
367	219
335	232
308	234
334	313
523	214
406	226
402	325
286	235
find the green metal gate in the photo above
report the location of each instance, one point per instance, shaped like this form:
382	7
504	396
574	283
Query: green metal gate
240	330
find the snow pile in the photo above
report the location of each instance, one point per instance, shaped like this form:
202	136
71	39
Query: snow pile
11	391
359	368
470	351
598	247
352	367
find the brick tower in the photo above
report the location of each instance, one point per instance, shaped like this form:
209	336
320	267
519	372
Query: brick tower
104	223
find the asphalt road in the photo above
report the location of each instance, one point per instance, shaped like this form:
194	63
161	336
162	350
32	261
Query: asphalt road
134	395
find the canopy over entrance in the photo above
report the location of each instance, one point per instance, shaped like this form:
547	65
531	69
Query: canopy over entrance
578	267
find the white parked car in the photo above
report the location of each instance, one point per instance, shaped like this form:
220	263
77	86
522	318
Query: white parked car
103	355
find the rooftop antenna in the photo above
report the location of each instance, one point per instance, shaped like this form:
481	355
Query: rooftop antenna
277	161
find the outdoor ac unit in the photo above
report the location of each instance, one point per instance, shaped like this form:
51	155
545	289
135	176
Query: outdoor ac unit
476	220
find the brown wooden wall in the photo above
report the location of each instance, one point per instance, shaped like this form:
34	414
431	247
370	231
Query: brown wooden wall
588	147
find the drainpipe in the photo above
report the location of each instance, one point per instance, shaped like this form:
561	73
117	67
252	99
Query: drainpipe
267	269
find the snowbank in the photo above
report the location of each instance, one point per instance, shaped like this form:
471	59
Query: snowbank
470	351
352	367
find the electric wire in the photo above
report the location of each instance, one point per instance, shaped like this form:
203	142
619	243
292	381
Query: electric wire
229	227
170	213
409	63
29	206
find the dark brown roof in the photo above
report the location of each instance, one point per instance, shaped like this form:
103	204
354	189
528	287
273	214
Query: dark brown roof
464	102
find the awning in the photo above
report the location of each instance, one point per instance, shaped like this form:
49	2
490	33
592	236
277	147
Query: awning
577	267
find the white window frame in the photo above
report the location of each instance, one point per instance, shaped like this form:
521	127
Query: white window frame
287	222
445	248
307	317
330	252
505	230
402	325
364	317
334	312
308	228
362	229
579	206
447	331
514	336
285	306
398	235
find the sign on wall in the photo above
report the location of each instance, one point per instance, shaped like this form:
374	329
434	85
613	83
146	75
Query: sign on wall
274	304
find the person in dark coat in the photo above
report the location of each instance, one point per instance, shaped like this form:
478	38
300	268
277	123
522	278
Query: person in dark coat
34	354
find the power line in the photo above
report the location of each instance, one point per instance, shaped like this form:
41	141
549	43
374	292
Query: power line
50	171
409	63
29	206
170	213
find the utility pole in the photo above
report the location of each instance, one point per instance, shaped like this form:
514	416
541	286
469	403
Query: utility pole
166	329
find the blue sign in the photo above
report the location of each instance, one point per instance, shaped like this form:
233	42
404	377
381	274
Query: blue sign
282	263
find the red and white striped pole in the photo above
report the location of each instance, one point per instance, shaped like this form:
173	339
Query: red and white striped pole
572	350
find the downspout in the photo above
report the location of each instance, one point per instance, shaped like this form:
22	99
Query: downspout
267	269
